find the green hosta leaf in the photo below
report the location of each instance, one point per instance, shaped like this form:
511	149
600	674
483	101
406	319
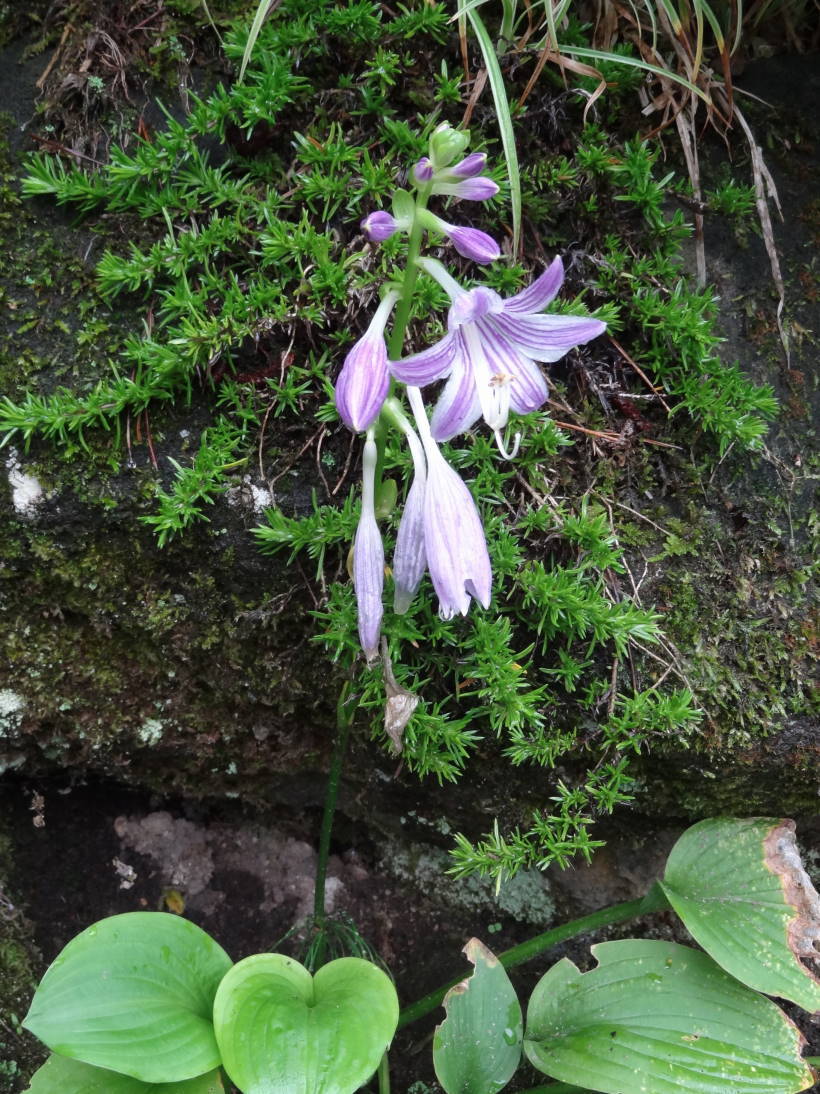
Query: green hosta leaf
281	1029
134	993
741	890
477	1047
660	1018
61	1075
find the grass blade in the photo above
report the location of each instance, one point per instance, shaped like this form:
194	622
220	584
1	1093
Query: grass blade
502	110
261	14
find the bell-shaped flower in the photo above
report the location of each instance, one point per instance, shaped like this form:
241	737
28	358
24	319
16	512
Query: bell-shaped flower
368	560
491	350
363	382
454	540
442	529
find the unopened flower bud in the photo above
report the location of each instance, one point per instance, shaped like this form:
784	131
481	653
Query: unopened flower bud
446	144
470	166
479	189
423	171
379	226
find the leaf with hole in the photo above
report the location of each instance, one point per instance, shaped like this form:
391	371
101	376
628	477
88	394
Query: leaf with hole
740	888
281	1029
477	1047
61	1075
664	1018
134	993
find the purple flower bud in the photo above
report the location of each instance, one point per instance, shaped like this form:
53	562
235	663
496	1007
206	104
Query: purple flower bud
480	189
364	380
410	558
424	170
368	561
471	243
379	226
470	166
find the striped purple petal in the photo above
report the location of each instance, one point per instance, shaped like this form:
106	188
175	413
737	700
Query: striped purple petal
546	337
420	369
540	293
528	388
458	406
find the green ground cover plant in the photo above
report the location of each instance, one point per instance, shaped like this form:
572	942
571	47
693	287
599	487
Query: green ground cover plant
145	998
257	279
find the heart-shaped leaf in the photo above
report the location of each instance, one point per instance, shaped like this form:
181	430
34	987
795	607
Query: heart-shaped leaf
134	994
664	1018
741	890
61	1075
477	1047
281	1029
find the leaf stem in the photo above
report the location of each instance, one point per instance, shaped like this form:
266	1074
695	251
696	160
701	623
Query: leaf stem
616	913
384	1074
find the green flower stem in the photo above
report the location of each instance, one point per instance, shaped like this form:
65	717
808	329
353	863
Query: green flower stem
411	272
345	712
402	317
617	913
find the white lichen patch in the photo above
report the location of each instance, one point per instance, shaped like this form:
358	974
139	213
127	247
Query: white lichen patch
150	732
12	706
250	496
526	897
26	490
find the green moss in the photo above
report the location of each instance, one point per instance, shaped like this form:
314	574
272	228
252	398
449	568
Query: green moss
20	969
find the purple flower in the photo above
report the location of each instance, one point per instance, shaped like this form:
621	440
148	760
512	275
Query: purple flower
368	560
379	226
490	352
363	382
454	540
440	530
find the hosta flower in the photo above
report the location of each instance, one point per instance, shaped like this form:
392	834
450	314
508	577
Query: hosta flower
363	382
440	529
368	560
491	350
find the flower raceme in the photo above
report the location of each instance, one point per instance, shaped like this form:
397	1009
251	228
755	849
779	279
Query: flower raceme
363	382
491	350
